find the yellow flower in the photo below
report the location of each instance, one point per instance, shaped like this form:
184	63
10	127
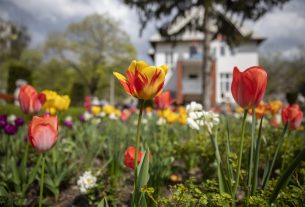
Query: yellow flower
95	110
108	109
55	102
275	106
62	102
182	119
143	81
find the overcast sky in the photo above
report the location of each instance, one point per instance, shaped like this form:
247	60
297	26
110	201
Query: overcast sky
284	28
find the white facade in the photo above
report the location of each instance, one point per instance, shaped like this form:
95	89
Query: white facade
226	59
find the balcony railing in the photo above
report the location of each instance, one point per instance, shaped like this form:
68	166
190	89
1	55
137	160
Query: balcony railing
191	87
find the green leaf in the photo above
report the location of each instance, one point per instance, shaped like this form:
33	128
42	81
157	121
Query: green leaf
16	178
34	171
103	203
3	192
280	143
143	174
142	200
284	179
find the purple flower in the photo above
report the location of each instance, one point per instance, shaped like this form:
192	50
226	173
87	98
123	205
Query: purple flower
3	121
82	118
10	129
19	121
68	124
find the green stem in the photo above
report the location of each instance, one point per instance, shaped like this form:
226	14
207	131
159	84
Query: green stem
41	181
138	142
256	158
252	150
240	152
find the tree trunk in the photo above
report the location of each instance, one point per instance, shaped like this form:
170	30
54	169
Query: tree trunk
206	69
93	85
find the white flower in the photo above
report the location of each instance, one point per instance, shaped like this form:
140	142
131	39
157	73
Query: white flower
95	121
86	181
95	102
149	114
87	116
68	118
11	119
194	106
102	114
161	121
192	123
197	117
113	116
210	119
143	121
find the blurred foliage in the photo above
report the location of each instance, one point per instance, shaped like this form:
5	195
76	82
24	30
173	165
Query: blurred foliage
13	40
93	48
77	94
16	72
74	112
182	169
282	69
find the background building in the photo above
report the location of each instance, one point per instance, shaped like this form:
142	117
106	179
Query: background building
184	58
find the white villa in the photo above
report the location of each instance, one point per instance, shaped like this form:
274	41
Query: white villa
184	58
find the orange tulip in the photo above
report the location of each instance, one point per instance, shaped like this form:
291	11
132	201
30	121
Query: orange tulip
294	115
248	87
143	81
163	100
30	100
129	156
43	131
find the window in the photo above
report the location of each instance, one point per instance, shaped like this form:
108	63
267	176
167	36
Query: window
169	58
225	85
222	50
214	50
193	76
193	51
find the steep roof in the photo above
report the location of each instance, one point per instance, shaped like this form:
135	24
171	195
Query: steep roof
196	15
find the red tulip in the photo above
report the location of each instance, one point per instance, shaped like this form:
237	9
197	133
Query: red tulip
125	114
293	114
30	100
43	131
248	87
163	100
129	156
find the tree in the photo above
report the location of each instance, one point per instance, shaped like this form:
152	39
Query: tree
13	39
216	19
279	68
93	48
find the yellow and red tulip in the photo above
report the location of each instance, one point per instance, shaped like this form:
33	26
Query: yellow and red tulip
143	81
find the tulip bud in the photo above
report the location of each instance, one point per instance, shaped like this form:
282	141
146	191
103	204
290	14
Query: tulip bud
129	156
248	87
43	132
163	100
30	100
293	114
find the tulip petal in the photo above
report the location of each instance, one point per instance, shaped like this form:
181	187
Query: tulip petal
123	81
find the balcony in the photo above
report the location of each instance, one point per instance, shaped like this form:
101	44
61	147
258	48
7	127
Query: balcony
191	86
